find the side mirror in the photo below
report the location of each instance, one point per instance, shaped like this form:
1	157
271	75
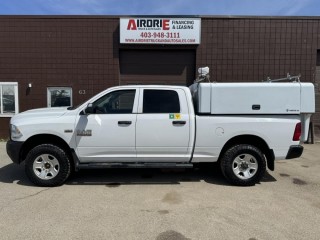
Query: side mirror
89	109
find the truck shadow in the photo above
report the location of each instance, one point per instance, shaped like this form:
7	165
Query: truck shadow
117	177
13	173
209	173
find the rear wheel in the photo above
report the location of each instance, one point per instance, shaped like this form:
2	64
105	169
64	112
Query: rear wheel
47	165
243	165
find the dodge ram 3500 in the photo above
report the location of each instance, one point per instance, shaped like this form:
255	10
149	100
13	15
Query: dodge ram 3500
243	126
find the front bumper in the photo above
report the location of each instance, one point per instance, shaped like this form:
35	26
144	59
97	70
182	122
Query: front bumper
13	150
295	151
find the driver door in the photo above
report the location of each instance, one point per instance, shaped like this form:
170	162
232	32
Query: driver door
108	134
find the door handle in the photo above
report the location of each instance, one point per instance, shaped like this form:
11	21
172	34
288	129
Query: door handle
124	123
178	122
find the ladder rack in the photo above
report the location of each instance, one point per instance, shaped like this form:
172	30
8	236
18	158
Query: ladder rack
288	78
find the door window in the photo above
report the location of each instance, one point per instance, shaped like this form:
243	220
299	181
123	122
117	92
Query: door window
160	101
117	102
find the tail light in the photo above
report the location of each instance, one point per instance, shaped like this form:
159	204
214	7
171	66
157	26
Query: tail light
297	132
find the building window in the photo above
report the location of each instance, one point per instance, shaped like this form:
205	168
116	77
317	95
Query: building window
59	96
8	99
318	57
160	101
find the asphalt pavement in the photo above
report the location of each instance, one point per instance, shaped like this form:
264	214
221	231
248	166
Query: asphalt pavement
163	204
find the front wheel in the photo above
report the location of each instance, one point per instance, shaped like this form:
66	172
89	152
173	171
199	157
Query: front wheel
47	165
243	165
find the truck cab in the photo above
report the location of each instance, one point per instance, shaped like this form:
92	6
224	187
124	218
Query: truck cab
136	123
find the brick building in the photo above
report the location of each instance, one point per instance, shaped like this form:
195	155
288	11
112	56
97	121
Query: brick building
49	61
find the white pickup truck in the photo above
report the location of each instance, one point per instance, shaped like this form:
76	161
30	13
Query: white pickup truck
243	126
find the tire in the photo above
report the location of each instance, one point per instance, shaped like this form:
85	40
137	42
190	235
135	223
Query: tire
243	165
47	165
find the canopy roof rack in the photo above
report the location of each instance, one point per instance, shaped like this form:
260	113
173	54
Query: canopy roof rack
288	78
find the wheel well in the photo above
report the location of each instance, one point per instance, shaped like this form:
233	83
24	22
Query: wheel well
252	140
45	139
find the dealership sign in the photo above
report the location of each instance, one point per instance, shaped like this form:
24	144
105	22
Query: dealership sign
160	30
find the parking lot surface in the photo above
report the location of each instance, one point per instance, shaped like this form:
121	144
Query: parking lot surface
163	204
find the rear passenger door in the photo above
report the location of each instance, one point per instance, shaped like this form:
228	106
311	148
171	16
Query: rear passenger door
162	127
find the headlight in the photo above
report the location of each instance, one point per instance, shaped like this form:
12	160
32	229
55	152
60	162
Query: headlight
15	132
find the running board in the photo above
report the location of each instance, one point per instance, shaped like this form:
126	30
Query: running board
133	165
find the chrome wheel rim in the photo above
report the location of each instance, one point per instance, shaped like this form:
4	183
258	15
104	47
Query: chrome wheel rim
245	166
46	166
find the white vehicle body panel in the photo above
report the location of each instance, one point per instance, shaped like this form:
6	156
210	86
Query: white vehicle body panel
240	98
109	140
213	132
45	121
